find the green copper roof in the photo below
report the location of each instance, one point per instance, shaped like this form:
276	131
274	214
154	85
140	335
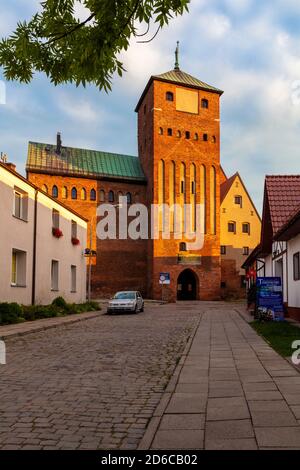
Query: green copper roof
81	162
183	78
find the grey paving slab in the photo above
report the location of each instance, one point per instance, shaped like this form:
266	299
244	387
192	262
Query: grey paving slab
230	444
276	419
179	439
187	403
288	437
239	429
182	421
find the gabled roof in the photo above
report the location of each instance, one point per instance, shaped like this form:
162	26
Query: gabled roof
291	228
29	183
227	185
281	199
43	158
178	77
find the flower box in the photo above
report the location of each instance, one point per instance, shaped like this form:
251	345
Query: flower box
75	241
57	233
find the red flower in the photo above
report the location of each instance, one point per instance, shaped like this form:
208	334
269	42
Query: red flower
57	233
75	241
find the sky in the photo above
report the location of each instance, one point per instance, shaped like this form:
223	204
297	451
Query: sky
248	48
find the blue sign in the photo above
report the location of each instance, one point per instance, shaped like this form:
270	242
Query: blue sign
164	278
270	297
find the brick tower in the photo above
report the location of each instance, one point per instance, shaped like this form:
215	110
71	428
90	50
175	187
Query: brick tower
179	149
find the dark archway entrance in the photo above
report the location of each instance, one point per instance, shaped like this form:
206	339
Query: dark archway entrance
187	285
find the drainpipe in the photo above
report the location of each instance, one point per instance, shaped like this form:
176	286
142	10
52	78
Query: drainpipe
34	248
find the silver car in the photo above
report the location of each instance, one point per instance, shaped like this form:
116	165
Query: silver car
126	301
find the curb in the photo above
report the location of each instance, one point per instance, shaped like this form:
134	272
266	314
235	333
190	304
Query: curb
76	318
154	422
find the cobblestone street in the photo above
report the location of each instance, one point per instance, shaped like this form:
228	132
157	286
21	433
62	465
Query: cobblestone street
93	384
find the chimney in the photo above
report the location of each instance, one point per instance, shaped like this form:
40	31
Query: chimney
58	143
3	159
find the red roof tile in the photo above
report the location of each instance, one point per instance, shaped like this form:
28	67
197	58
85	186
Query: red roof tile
283	193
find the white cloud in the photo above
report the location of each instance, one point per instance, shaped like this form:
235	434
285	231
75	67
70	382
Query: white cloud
79	109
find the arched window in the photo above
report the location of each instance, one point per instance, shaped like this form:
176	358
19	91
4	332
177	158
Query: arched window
74	193
102	195
203	196
160	131
182	246
196	136
179	134
193	215
205	137
93	195
111	196
204	103
169	96
129	198
83	194
213	195
187	135
55	192
214	139
172	193
45	188
170	132
64	192
246	228
232	227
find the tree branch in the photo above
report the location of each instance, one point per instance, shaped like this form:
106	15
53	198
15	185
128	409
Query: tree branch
71	31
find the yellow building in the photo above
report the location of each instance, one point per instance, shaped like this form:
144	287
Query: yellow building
240	234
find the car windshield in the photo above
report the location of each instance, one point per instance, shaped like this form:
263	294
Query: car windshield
125	295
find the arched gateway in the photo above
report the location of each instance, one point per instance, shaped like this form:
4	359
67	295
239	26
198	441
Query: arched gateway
187	285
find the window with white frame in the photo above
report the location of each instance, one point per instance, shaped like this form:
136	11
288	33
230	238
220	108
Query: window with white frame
74	229
73	278
296	266
20	209
55	218
18	268
54	275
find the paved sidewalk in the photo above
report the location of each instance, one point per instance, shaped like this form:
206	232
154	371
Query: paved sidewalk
21	329
229	391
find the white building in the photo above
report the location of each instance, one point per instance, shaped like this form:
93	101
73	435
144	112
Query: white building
42	245
278	254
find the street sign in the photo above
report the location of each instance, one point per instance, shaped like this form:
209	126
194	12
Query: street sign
164	278
270	297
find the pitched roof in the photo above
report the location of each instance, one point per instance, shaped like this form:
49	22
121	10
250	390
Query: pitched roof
225	187
29	183
291	228
283	192
178	77
43	158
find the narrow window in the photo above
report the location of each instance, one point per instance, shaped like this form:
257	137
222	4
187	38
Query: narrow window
18	268
205	137
93	195
178	134
223	250
245	250
296	264
45	188
54	275
74	193
223	285
204	103
246	228
20	209
83	194
129	198
18	205
238	200
73	279
214	139
74	229
170	132
102	195
55	192
196	137
65	192
187	135
55	218
169	96
182	247
213	197
111	196
231	227
160	131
